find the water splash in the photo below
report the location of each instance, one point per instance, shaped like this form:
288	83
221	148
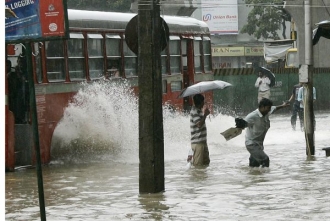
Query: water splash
102	118
101	122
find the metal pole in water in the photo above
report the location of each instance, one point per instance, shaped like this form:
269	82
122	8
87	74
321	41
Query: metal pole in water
33	109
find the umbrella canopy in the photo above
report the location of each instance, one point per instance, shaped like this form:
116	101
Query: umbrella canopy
269	74
322	30
202	87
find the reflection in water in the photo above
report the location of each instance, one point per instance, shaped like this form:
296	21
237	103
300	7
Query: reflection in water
154	206
94	175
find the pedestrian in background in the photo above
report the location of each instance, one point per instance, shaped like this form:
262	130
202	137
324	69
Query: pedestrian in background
296	109
263	85
301	99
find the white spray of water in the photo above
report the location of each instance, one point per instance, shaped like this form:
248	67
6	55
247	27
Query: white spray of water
102	120
101	117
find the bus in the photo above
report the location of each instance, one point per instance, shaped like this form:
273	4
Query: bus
96	49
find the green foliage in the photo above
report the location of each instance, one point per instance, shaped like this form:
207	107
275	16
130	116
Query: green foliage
100	5
265	19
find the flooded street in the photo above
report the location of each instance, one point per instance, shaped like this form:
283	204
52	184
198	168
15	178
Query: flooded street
294	188
101	182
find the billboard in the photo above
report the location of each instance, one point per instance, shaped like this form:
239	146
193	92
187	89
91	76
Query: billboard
34	20
221	16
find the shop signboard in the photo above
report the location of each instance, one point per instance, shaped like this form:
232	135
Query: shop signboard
35	20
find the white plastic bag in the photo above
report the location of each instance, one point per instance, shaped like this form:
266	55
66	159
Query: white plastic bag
190	153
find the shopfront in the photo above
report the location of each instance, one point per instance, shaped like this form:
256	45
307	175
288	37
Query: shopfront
237	57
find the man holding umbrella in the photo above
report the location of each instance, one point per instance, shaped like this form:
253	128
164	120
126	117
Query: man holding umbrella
200	155
198	131
263	85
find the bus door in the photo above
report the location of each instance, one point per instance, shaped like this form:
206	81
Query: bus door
187	50
18	130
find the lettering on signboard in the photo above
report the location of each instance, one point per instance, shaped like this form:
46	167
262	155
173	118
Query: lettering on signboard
19	4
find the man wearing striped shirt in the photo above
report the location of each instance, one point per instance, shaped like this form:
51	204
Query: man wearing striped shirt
199	132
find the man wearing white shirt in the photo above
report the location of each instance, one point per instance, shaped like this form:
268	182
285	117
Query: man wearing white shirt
262	83
301	98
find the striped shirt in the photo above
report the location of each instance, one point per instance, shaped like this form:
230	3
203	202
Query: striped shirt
198	134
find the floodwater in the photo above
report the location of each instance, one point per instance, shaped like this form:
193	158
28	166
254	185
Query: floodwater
95	173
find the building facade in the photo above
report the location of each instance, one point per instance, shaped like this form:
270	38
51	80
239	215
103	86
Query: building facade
232	49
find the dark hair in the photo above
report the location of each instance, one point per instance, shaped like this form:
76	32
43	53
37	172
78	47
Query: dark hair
265	102
198	99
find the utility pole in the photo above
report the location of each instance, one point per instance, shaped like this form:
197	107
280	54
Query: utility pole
34	117
151	135
308	87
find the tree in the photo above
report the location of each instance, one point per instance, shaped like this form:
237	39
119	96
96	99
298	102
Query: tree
265	19
104	5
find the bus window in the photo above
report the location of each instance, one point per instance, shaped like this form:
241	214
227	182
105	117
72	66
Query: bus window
112	45
76	57
175	58
207	53
164	86
55	60
130	61
197	54
95	56
176	86
292	58
163	59
38	68
184	53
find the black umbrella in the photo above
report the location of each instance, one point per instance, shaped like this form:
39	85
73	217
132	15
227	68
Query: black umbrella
322	30
269	74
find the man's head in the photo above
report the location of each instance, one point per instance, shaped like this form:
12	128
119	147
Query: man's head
265	106
198	100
